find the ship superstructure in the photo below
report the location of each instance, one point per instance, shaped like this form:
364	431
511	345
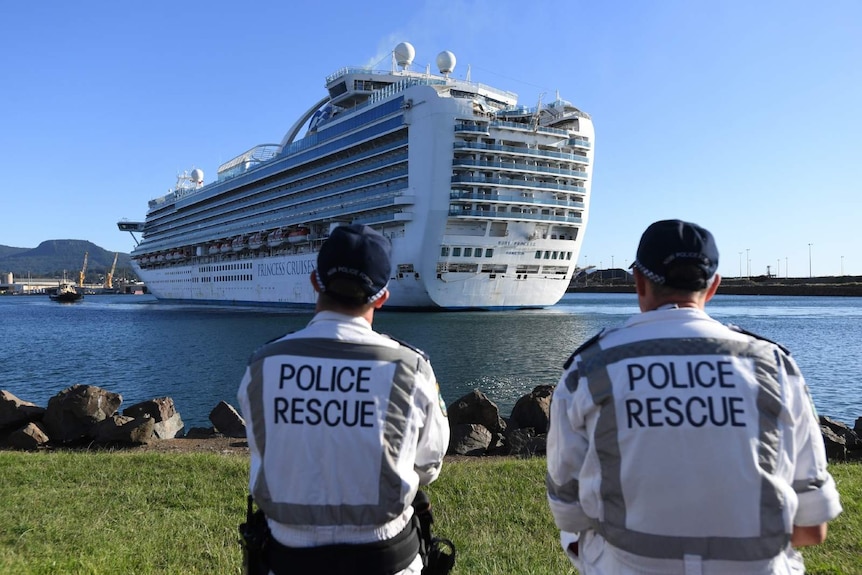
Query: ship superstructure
485	201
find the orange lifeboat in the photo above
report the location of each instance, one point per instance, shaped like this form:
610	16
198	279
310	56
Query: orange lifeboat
238	244
256	241
276	238
297	235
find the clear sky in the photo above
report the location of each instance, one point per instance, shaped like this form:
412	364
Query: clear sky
743	116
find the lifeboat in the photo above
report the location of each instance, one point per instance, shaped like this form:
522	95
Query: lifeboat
275	239
297	235
213	249
238	244
225	247
256	241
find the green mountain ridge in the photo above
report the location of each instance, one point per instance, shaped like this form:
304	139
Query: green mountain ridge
52	258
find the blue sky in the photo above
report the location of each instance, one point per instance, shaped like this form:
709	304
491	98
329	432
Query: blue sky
742	116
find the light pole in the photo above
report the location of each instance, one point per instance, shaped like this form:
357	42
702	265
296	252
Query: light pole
809	260
612	261
747	264
842	265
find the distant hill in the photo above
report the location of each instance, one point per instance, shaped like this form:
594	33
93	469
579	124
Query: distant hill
52	257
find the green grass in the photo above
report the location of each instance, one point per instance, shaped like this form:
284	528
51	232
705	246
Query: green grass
147	513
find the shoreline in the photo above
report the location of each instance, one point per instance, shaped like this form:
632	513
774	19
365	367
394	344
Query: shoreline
846	286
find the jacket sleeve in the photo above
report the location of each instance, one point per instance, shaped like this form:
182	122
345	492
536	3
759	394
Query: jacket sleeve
818	496
568	443
434	434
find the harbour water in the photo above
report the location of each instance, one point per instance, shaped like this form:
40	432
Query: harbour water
141	348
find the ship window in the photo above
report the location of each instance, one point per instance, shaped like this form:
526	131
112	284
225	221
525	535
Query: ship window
547	255
444	251
554	256
568	255
539	255
456	252
468	252
489	252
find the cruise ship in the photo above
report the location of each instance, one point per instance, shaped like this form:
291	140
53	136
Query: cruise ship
485	200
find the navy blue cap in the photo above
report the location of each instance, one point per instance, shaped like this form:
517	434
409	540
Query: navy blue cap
354	264
667	244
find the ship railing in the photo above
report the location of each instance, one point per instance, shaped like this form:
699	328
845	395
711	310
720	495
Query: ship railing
504	95
320	200
463	179
453	211
529	127
247	160
304	214
461	162
520	150
457	195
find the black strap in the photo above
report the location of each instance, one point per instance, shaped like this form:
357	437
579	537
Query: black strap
378	558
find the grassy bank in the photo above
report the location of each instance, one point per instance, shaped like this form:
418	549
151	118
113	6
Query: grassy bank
137	513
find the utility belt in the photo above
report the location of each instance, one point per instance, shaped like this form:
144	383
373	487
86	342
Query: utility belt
262	553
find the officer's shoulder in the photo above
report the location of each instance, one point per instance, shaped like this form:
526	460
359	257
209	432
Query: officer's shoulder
408	346
262	349
738	329
587	344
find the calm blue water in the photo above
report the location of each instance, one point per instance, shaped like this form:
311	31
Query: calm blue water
140	348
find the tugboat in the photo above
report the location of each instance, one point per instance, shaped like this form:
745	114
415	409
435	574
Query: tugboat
66	293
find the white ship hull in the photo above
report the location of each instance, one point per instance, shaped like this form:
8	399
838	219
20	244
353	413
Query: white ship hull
284	280
486	203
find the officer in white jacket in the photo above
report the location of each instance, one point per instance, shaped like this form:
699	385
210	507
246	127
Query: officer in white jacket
344	425
681	445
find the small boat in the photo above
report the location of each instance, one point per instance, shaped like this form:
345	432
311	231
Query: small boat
239	243
276	238
297	235
257	241
66	293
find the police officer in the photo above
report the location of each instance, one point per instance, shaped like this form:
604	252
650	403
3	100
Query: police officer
679	444
344	425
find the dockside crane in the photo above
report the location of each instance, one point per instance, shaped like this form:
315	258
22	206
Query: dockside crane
83	270
109	277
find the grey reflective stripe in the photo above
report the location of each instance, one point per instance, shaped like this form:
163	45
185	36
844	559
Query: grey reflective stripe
390	503
567	493
593	365
572	380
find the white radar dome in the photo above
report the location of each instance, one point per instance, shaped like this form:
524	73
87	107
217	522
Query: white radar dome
197	175
404	53
446	62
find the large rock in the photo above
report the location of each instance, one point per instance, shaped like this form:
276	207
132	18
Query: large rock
121	429
163	412
852	443
475	407
227	420
533	410
30	437
525	442
72	413
15	412
469	439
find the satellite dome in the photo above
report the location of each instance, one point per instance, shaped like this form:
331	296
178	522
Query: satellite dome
404	53
446	62
197	175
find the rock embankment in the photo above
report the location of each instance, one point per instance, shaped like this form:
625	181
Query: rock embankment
89	416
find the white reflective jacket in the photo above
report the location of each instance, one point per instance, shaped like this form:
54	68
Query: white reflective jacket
676	438
344	425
